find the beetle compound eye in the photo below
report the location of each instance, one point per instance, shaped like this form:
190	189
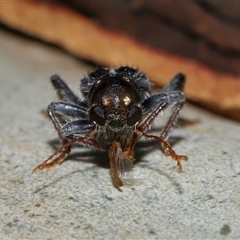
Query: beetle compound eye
134	115
96	114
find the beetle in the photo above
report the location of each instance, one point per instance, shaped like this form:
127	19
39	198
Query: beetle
117	109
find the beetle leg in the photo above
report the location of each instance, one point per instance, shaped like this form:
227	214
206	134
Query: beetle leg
129	150
56	158
168	150
172	120
62	153
120	162
68	109
76	127
170	95
63	91
112	153
158	103
143	126
56	110
177	83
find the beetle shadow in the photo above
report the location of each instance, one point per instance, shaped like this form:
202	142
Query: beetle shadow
53	182
143	148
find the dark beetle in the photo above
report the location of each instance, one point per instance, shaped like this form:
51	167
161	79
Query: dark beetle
117	109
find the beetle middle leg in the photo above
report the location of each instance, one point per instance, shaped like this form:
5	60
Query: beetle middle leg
58	110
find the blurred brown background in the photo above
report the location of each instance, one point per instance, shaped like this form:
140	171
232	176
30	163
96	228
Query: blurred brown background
208	31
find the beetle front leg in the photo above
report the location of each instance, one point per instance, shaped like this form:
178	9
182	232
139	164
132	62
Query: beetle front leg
56	158
168	150
121	161
112	153
62	153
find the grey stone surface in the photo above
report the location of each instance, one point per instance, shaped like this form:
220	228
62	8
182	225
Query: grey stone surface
77	200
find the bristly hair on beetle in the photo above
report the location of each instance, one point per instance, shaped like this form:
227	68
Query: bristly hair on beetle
117	110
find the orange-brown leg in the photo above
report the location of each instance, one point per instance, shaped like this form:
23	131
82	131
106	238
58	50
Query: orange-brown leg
121	160
56	158
168	150
61	154
112	153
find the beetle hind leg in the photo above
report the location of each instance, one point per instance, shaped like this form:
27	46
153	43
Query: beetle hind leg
63	91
